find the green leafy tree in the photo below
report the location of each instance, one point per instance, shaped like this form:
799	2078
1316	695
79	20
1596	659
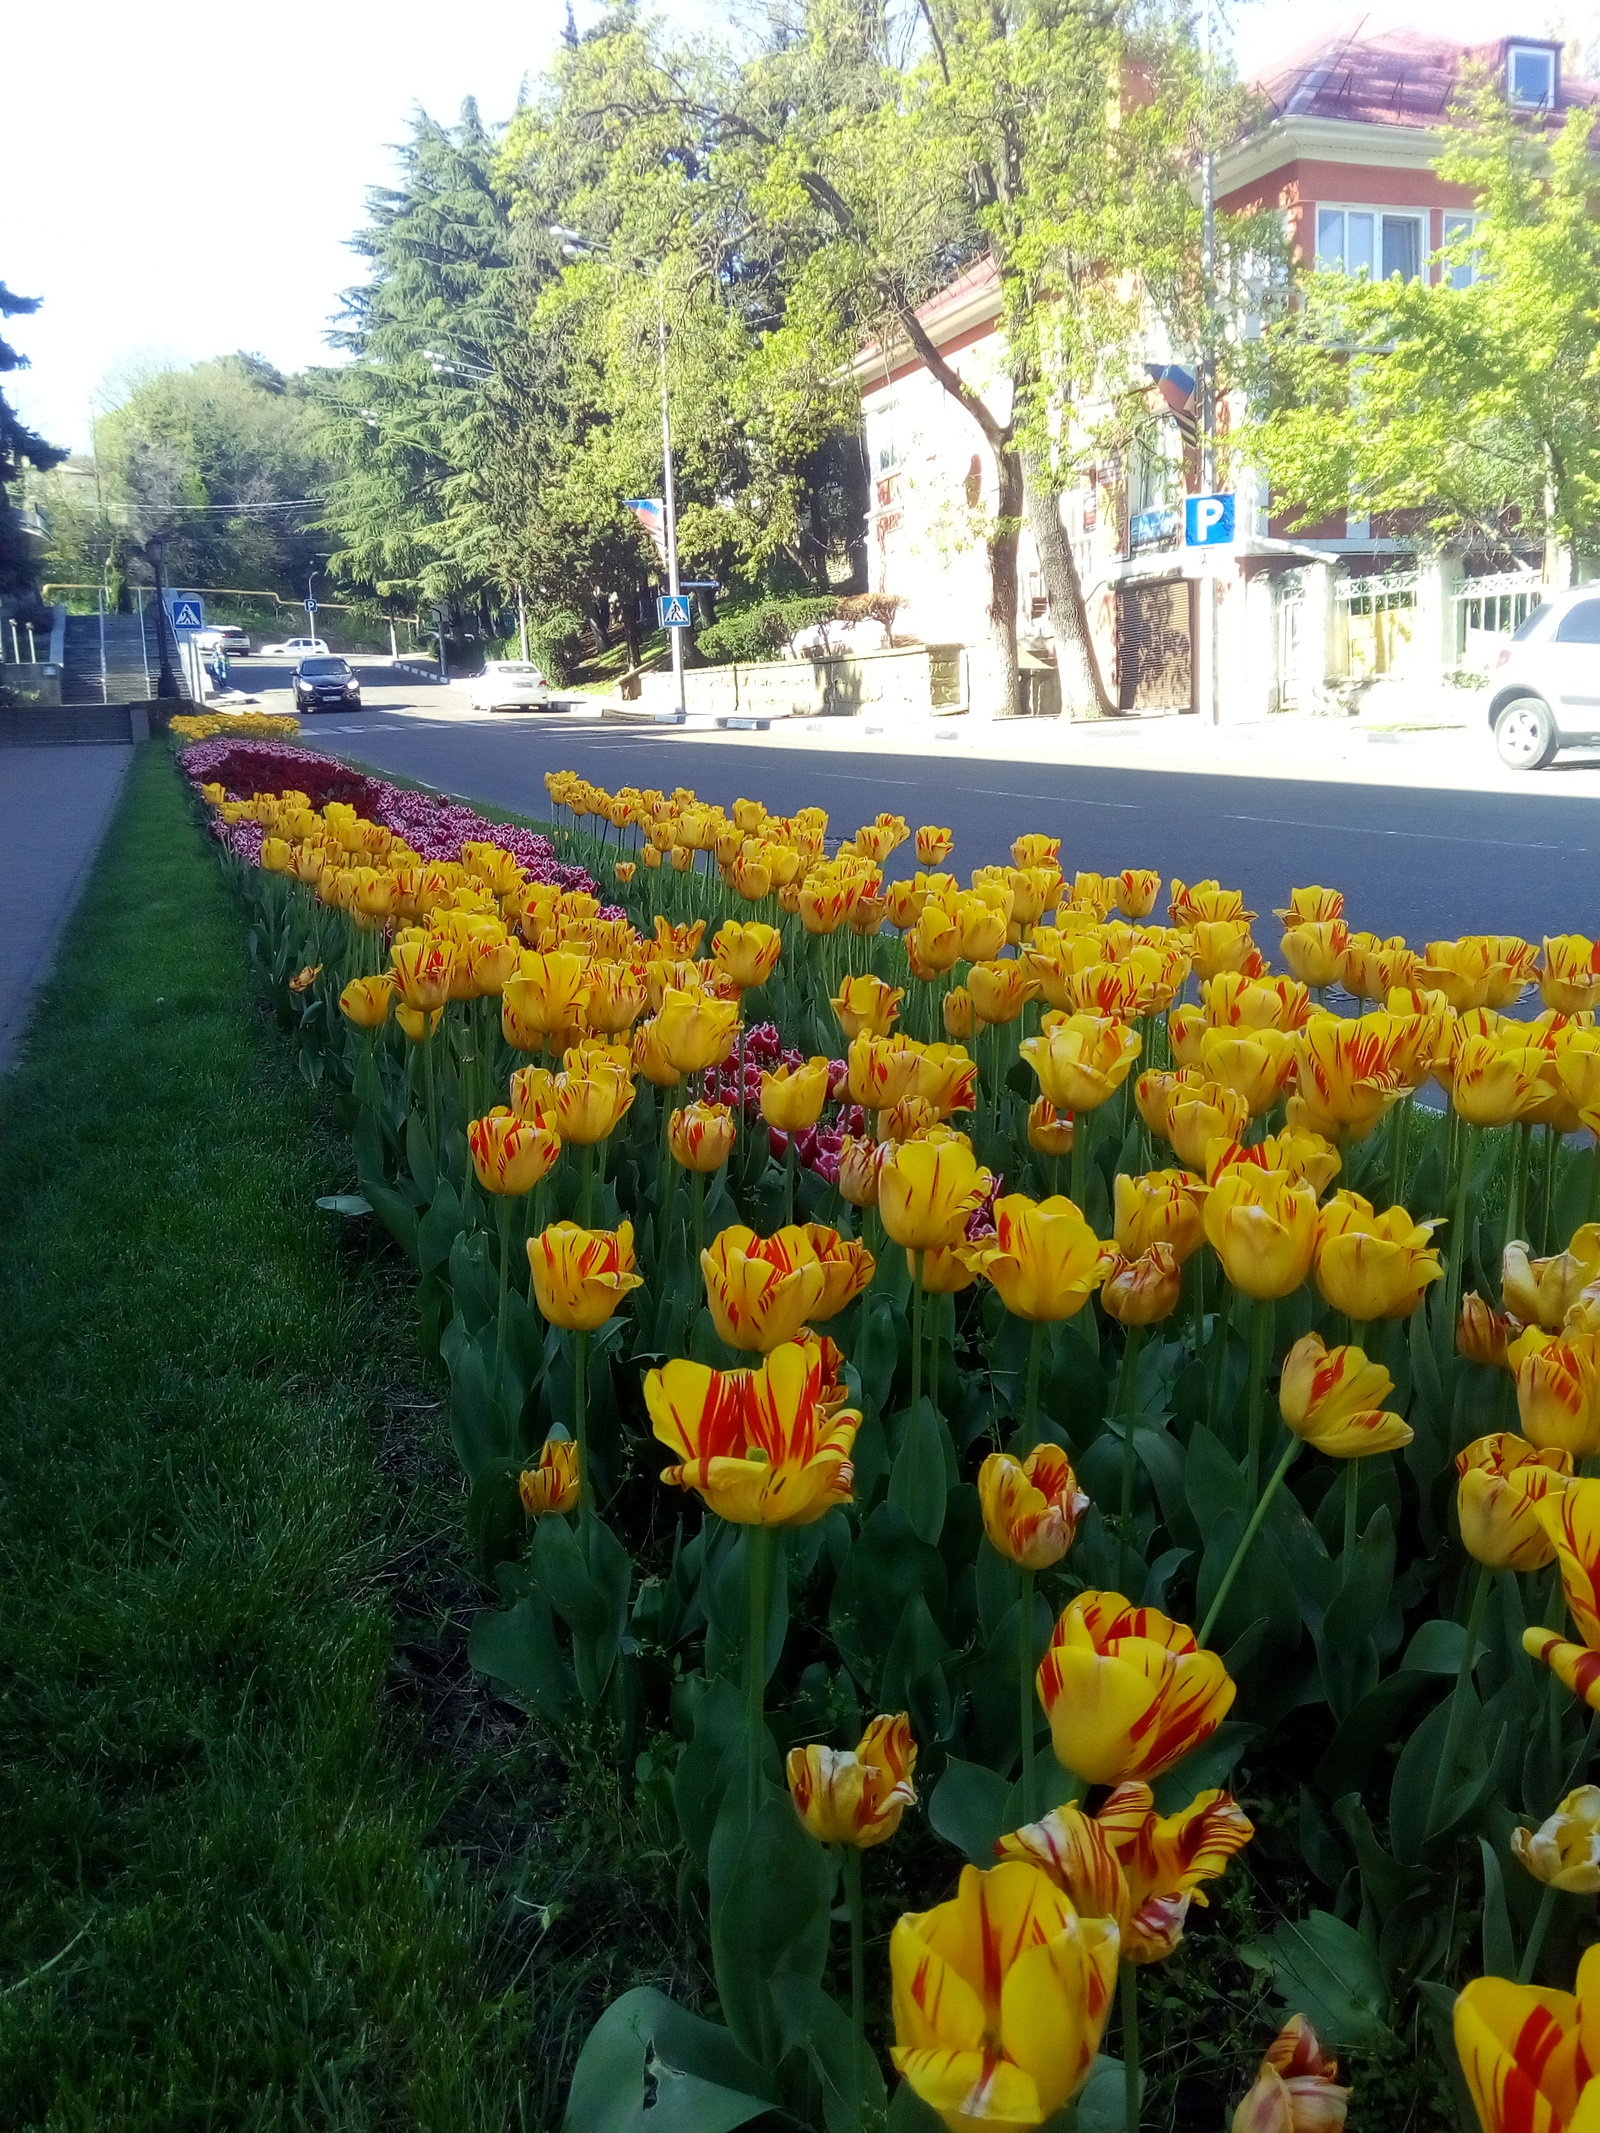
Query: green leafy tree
19	447
1477	408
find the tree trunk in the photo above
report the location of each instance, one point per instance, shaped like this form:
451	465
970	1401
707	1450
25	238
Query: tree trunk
1003	575
1083	692
628	609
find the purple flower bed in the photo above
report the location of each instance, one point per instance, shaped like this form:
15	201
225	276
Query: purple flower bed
435	829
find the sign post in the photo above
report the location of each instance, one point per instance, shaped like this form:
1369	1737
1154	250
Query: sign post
1209	522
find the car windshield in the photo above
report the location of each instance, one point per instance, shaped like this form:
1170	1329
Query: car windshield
514	671
325	669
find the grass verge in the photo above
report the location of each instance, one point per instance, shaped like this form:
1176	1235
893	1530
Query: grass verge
221	1903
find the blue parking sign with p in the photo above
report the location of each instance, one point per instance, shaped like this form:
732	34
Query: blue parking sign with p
187	613
1208	521
673	611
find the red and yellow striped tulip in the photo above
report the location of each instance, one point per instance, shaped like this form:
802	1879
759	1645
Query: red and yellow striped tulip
793	1098
1262	1225
767	1447
1332	1399
510	1154
1031	1507
1049	1133
1143	1290
1503	1479
1127	1691
1524	2053
928	1188
1044	1260
554	1484
1370	1265
581	1277
1137	890
1081	1060
761	1290
1558	1389
933	844
1315	949
747	953
857	1795
701	1136
366	1001
865	1002
1541	1292
1159	1207
1297	2089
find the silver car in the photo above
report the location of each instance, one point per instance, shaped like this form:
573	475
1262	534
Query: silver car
1544	692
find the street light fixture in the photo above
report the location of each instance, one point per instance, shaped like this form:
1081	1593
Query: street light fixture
155	550
574	245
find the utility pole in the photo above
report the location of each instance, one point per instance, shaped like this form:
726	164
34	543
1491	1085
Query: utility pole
1208	367
522	618
668	495
166	681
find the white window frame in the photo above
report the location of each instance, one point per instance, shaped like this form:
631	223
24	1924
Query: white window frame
1459	222
1516	50
1417	215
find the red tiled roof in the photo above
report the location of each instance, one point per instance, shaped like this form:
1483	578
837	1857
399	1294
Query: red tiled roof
1391	78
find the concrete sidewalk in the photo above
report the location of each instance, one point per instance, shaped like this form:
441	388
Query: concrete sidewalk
54	807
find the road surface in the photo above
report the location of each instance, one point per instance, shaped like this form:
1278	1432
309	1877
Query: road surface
1414	861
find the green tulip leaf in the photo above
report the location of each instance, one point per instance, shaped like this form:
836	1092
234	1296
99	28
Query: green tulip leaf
968	1809
647	2066
771	1894
1329	1972
920	1476
1101	2105
518	1645
846	2070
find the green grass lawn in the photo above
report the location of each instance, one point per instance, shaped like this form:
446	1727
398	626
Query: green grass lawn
223	1898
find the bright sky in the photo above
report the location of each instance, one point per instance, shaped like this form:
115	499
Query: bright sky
180	181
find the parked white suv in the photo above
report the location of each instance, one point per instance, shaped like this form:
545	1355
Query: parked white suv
1544	693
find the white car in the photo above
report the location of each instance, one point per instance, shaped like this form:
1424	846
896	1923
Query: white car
1544	693
295	648
508	685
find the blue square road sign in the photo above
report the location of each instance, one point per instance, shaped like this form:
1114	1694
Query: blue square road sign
1208	521
187	612
673	611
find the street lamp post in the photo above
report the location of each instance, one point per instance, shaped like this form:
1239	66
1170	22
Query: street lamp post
576	246
166	681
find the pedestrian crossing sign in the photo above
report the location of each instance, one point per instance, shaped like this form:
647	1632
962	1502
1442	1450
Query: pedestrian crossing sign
672	611
187	613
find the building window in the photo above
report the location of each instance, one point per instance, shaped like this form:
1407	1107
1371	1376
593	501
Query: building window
1531	75
1464	272
1365	240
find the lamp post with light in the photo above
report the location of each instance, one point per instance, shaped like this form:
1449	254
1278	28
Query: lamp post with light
576	246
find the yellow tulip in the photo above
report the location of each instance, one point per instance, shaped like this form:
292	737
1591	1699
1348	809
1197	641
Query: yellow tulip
650	1056
933	944
700	1137
366	1001
1542	1291
1302	1155
1262	1225
1312	906
423	970
1234	1001
1331	1398
999	991
1081	1060
1564	1851
1031	1507
1569	981
509	1154
908	1120
1128	1692
981	927
866	1003
1370	1265
1159	1207
847	1268
1256	1064
856	1796
418	1023
957	1012
1523	2051
581	1276
1220	944
1348	1076
1494	1083
1137	890
1143	1290
946	1078
766	1447
1315	951
1484	1335
793	1098
554	1484
1558	1388
1035	850
1000	1997
748	953
944	1272
1503	1478
1199	1114
695	1031
933	845
548	993
1187	1031
761	1290
1048	1132
928	1188
617	996
1044	1260
859	1161
1371	967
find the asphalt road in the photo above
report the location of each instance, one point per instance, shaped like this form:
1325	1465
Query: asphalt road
1412	861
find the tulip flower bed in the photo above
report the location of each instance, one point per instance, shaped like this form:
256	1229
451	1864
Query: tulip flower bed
1004	1405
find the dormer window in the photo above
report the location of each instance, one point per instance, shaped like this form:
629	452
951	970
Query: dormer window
1531	76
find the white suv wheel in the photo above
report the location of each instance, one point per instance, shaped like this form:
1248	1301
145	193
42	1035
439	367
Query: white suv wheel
1524	734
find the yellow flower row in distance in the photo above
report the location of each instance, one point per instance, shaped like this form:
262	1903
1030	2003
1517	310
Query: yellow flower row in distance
236	725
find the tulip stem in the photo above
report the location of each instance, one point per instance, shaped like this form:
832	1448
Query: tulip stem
1261	1324
697	1202
1245	1539
586	1188
1580	1768
1458	1695
1127	1390
1080	1156
858	1976
1352	1494
580	1426
1128	1993
1467	1141
1517	1182
502	1209
916	1329
1541	1926
1025	1690
757	1541
1400	1134
788	1177
1030	1406
1594	1181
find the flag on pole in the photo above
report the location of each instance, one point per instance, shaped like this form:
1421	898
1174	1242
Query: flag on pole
1179	389
651	513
